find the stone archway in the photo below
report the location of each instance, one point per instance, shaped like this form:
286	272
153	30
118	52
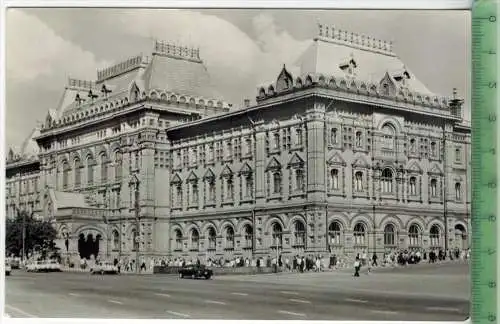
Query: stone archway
89	244
461	241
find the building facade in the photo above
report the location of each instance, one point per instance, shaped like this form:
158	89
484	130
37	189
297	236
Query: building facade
345	152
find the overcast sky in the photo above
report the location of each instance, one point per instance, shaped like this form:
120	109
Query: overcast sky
241	48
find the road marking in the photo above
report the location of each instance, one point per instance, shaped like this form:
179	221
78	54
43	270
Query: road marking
239	294
289	292
356	300
215	302
444	309
178	314
73	294
300	301
384	312
163	295
20	311
291	313
115	301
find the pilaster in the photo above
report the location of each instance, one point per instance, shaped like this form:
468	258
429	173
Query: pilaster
260	159
315	127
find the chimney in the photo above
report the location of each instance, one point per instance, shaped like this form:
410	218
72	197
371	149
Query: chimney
246	103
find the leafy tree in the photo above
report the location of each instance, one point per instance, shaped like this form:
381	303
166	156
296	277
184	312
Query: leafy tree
39	234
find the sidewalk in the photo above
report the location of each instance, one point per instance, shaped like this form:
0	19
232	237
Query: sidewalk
78	270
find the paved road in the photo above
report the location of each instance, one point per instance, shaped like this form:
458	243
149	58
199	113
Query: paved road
437	293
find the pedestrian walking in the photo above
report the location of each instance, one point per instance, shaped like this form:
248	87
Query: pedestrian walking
357	266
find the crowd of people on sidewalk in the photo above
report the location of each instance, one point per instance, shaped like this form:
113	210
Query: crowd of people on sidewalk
287	263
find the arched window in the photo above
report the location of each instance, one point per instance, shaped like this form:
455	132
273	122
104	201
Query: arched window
116	240
248	178
78	173
389	235
212	238
414	235
435	236
433	188
359	234
276	141
276	182
386	181
195	239
277	235
334	233
135	240
433	149
104	168
299	233
248	234
388	137
178	239
194	191
358	139
66	170
229	237
413	186
229	188
334	179
413	145
178	194
358	178
458	191
333	136
299	180
211	189
118	165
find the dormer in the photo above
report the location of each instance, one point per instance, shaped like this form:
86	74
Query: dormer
349	66
387	85
402	77
285	80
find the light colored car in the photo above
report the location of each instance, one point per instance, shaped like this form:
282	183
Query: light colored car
33	266
53	266
44	266
8	269
104	268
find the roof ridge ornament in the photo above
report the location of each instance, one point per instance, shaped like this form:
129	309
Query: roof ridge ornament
354	39
177	51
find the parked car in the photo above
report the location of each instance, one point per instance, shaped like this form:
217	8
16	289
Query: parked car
53	266
33	266
104	268
195	271
8	269
15	264
44	266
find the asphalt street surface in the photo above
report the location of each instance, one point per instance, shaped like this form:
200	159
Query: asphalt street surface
422	293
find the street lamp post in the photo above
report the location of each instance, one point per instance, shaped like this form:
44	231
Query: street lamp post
134	183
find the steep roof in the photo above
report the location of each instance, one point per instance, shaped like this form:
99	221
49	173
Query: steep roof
29	148
169	69
370	59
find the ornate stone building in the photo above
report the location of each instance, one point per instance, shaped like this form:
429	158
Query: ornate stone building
346	151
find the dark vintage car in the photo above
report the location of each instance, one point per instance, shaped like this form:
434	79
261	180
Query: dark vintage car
195	271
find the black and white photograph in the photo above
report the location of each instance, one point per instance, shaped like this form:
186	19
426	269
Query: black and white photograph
237	164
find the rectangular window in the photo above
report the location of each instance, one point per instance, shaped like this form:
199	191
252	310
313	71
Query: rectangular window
298	137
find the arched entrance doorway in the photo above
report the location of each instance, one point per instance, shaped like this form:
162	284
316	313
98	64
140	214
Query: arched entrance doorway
88	246
461	237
